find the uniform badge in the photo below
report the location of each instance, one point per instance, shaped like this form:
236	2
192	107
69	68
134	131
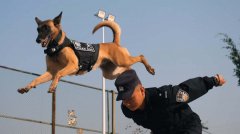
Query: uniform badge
182	96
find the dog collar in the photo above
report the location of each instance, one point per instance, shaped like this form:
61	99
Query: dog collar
53	48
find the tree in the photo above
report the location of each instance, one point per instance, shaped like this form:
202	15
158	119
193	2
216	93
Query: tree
234	55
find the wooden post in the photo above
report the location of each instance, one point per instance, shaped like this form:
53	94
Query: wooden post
113	113
53	112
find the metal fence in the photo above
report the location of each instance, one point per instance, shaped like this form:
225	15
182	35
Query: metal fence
39	112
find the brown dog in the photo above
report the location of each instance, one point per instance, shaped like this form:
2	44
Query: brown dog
63	58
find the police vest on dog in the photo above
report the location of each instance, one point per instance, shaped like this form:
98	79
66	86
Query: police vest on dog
87	54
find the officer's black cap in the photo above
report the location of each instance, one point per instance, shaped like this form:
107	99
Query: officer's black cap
126	83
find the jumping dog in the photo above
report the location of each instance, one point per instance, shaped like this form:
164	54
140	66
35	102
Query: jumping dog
68	57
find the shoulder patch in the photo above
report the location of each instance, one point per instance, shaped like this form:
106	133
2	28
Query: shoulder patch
182	96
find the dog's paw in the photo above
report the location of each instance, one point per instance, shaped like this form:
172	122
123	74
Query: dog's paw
23	90
151	70
51	90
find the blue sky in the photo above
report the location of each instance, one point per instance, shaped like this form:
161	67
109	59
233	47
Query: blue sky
179	39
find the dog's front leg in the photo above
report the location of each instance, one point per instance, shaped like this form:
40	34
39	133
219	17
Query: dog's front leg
69	69
47	76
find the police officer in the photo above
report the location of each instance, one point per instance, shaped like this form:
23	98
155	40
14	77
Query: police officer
163	110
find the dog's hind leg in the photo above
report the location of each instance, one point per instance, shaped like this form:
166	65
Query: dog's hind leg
146	64
121	57
127	61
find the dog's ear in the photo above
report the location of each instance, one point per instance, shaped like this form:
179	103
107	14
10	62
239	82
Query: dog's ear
57	20
38	20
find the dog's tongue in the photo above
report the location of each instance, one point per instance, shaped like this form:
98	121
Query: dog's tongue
46	41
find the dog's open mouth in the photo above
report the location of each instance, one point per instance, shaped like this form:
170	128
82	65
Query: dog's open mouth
46	41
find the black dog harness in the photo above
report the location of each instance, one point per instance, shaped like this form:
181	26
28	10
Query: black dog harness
87	53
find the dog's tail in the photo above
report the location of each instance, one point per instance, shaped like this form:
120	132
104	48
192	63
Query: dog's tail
113	26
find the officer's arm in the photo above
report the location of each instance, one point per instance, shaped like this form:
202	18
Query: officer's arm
194	88
187	91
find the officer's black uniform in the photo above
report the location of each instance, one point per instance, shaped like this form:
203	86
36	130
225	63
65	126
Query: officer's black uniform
166	110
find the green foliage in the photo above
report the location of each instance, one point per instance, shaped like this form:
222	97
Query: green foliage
234	55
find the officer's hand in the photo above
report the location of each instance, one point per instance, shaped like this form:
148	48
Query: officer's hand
220	80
